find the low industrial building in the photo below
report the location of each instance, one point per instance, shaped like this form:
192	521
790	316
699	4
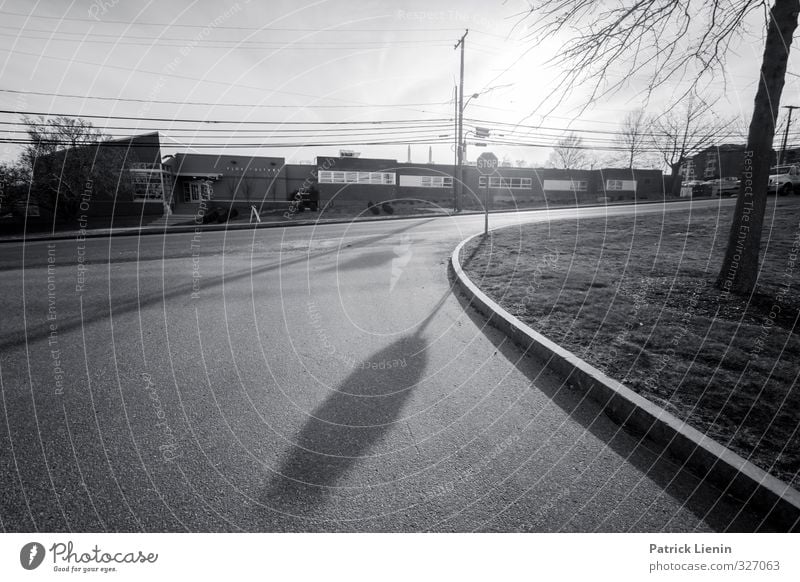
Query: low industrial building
182	182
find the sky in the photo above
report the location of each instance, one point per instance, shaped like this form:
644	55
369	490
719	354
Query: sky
302	78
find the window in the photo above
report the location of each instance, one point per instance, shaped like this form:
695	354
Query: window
426	181
336	177
711	167
505	182
688	170
565	185
196	190
629	185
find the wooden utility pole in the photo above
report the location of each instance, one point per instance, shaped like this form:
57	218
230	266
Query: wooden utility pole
782	158
459	184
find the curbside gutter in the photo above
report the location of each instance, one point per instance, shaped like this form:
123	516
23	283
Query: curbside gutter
705	457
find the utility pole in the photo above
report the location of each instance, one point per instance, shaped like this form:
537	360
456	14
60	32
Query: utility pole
459	185
782	158
455	149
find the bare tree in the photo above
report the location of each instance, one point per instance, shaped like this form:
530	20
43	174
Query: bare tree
65	158
569	153
633	137
739	272
681	39
12	188
682	132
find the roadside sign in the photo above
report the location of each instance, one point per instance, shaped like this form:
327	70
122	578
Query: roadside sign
487	163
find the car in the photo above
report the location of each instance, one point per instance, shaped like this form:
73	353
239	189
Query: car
728	186
784	179
693	188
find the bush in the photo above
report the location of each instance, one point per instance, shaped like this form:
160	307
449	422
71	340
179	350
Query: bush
387	208
374	209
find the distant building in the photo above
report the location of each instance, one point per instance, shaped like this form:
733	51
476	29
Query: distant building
725	160
184	182
714	162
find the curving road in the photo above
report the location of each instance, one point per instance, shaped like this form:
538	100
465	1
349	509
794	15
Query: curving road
301	379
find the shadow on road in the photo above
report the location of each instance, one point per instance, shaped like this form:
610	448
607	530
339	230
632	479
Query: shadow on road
720	511
93	313
343	429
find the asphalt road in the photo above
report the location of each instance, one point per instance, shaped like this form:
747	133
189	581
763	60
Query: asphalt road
301	379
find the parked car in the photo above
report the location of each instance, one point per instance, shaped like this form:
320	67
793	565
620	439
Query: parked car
784	179
728	186
693	188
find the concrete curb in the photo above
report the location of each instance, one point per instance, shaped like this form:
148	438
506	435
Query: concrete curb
705	457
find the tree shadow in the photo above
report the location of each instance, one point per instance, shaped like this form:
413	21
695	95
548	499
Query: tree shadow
358	414
98	312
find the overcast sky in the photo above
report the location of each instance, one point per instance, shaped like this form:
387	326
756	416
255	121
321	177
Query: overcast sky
300	61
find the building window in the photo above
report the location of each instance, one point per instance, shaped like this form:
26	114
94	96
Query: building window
687	170
629	185
197	190
336	177
426	181
506	182
146	180
711	167
580	185
565	185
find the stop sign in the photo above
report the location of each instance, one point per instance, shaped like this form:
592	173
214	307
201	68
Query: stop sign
487	163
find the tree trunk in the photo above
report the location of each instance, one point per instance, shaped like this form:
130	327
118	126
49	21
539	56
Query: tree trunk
676	178
739	273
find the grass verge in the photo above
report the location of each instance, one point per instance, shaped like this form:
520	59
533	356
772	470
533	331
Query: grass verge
635	297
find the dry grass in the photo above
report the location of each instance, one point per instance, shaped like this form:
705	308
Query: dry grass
635	298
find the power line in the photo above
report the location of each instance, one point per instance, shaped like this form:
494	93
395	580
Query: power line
49	36
230	121
174	75
235	44
345	129
212	104
220	27
254	145
140	129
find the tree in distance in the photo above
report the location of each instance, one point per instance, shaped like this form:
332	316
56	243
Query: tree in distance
569	153
632	137
65	156
683	131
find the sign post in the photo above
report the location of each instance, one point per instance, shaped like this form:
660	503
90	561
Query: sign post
487	164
